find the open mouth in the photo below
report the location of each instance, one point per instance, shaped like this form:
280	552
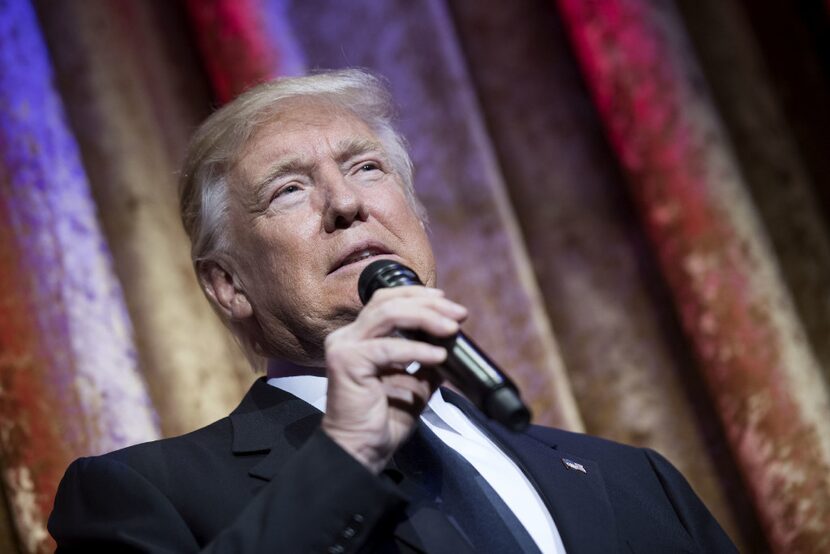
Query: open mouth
360	254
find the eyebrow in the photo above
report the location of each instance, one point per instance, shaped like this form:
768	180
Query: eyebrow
344	151
351	148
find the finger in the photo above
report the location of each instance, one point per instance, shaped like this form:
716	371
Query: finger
381	295
436	316
448	308
408	390
388	303
406	399
427	378
434	297
389	354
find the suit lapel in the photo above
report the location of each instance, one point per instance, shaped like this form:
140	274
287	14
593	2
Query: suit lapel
276	424
577	499
270	419
424	525
426	528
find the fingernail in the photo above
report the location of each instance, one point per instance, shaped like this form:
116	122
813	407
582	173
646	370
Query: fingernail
449	324
458	308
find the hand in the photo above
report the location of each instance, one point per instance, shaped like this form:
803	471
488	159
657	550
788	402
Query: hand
373	403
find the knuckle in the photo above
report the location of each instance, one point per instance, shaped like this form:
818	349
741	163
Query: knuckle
334	347
332	339
397	292
333	353
385	350
386	311
381	295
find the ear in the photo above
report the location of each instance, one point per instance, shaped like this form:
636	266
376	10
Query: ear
220	286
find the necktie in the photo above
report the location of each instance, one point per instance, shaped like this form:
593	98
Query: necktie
462	494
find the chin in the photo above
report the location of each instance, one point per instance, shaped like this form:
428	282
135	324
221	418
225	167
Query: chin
343	315
341	297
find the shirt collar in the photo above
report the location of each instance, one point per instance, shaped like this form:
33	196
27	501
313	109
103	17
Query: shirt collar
313	388
310	388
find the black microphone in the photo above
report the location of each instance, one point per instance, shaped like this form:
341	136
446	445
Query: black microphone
466	366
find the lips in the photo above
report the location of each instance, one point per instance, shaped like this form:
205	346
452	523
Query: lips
359	252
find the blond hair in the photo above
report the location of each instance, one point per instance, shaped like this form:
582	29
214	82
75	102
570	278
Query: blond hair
217	143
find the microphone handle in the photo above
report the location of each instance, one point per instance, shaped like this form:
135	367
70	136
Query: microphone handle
477	376
466	366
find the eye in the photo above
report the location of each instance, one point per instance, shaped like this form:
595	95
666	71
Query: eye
287	193
286	190
367	169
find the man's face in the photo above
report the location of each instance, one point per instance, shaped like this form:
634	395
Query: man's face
313	200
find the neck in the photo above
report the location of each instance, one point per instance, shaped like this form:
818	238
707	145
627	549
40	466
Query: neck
284	368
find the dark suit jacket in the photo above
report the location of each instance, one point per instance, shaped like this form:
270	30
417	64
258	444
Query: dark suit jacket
266	479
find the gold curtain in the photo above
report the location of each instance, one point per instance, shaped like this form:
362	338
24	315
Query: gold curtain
625	193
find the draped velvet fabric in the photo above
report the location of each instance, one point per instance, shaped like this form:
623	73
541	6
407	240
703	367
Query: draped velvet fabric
629	195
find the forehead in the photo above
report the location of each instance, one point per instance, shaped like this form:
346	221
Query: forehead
300	128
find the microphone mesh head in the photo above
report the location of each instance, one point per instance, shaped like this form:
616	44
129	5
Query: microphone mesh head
382	274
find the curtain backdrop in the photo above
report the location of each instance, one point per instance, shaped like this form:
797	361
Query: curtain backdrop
631	196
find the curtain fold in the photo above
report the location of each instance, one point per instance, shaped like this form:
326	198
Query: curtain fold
457	177
627	194
715	255
632	372
130	122
775	171
243	42
68	375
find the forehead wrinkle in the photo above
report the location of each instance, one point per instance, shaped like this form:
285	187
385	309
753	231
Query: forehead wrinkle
294	165
351	147
344	150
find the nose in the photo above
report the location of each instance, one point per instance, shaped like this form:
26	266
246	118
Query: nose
344	203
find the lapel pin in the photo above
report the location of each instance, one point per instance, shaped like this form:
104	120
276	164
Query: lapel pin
570	464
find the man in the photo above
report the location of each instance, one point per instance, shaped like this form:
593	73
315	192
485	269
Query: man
287	194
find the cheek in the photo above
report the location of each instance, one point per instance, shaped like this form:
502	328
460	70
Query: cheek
283	263
284	237
409	228
427	270
274	257
285	284
391	201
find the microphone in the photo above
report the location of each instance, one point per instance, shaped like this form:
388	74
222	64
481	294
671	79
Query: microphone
466	366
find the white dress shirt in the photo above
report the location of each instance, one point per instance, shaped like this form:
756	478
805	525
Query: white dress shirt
453	427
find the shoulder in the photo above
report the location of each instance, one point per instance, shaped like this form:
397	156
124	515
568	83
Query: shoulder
619	462
587	446
147	458
642	485
133	485
168	465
